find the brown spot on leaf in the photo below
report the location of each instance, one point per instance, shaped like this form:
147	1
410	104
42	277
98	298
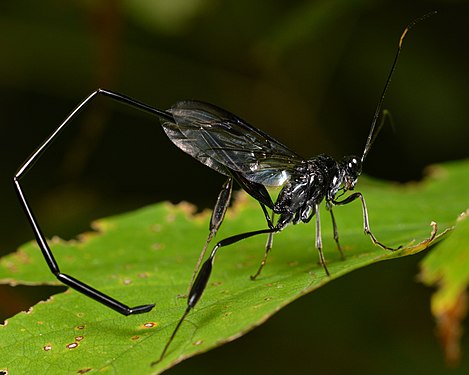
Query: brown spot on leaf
149	325
12	269
187	208
84	370
79	338
73	345
156	228
47	347
56	240
22	257
157	246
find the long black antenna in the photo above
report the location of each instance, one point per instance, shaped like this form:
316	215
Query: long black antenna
374	133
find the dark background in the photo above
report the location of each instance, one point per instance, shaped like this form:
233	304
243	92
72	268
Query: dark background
310	73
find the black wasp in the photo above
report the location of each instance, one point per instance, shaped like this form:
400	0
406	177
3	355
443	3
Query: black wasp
252	158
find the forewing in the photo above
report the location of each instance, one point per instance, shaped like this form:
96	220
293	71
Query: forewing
221	140
174	133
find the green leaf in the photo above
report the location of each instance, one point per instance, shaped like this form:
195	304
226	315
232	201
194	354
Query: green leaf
447	268
148	256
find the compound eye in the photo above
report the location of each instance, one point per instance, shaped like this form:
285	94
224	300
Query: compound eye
352	163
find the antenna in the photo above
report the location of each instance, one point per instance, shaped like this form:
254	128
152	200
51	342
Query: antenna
374	133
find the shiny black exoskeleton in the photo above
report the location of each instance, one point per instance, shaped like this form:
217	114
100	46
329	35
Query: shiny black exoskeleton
311	182
244	154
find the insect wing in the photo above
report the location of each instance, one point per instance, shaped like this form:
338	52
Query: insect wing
221	140
174	133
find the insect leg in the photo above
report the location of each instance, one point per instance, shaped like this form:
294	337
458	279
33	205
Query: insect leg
255	190
319	240
366	224
218	215
69	280
260	193
334	227
268	245
202	279
40	238
270	221
270	240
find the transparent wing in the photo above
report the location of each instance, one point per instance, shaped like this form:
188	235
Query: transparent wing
221	140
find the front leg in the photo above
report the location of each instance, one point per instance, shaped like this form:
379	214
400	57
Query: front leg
366	224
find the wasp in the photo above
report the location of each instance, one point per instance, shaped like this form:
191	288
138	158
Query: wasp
245	155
